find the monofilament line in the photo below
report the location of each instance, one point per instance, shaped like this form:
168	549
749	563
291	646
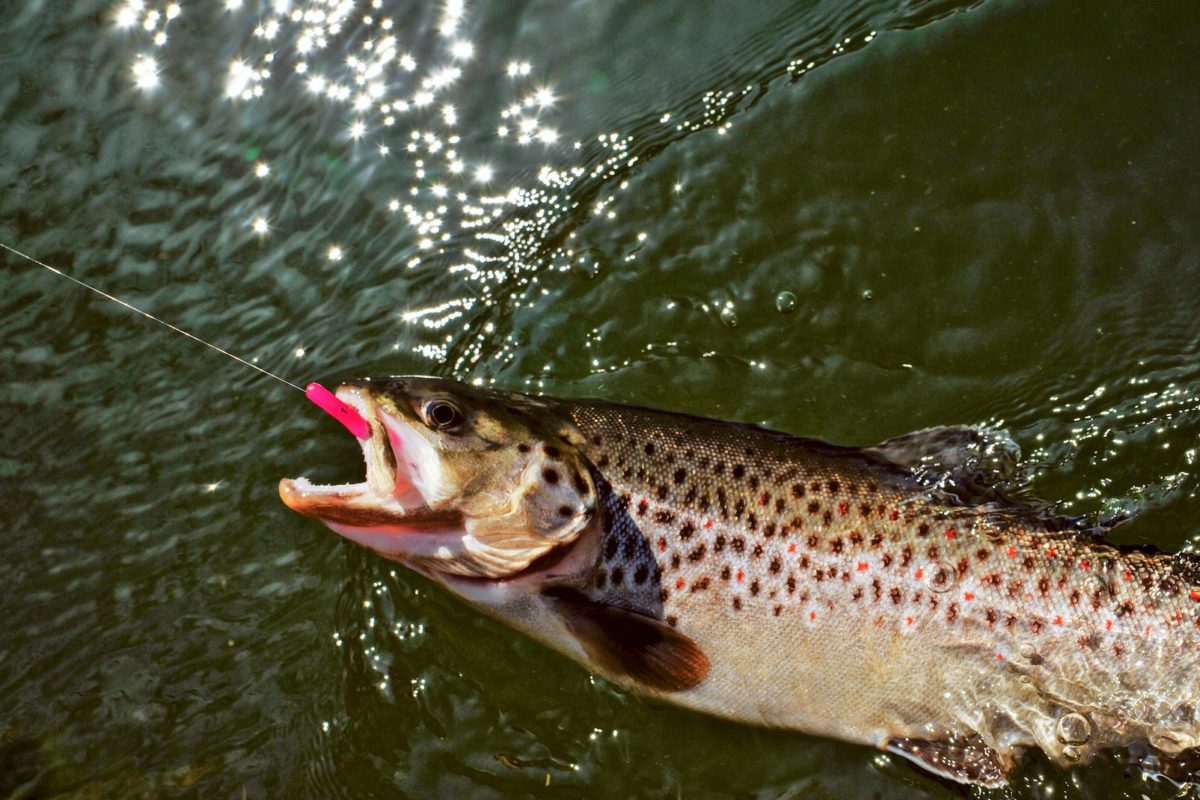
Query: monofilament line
149	316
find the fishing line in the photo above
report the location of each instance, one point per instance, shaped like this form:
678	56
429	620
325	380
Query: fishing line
318	394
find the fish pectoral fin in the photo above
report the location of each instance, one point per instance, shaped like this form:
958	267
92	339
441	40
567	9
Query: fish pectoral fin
629	645
963	759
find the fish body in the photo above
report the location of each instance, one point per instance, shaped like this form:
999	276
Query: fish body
782	581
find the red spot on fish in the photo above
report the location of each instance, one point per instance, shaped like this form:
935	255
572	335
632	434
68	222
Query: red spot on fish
812	615
909	620
679	583
1058	619
893	515
1147	631
708	523
740	575
1051	552
968	596
1085	564
662	544
1195	595
862	566
1108	625
792	547
920	573
999	656
1012	551
766	498
1128	575
951	533
843	509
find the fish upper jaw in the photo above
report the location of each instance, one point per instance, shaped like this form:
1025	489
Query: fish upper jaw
386	512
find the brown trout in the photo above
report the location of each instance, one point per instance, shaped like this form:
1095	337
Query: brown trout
781	581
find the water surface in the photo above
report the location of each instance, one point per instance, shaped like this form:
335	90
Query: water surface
982	213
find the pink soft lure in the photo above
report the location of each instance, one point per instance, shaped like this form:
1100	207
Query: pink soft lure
342	412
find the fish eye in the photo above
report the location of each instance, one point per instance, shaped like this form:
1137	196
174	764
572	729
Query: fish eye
442	415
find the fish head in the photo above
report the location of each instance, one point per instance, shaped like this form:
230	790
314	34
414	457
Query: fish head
461	480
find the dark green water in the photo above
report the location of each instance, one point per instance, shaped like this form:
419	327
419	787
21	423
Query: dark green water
987	213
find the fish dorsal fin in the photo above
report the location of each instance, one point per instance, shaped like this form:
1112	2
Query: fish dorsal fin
629	645
962	759
952	447
971	465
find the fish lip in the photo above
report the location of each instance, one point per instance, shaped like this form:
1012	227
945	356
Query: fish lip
386	502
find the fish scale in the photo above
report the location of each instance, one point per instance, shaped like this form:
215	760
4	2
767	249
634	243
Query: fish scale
748	529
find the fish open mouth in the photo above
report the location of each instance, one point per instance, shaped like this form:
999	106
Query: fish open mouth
387	504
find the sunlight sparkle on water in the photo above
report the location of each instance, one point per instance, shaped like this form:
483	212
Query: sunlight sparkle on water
145	73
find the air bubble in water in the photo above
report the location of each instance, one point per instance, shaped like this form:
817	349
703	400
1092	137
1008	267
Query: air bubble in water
1073	728
729	317
940	579
785	302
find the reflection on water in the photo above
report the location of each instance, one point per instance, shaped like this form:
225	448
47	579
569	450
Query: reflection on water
845	219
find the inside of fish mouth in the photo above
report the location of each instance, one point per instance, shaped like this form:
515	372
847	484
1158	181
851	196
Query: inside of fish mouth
387	476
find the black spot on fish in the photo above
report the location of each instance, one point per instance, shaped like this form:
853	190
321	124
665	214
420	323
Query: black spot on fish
700	585
675	561
813	507
865	509
680	474
754	587
887	560
649	448
671	620
601	578
753	481
991	616
610	548
564	511
739	507
603	462
580	484
896	595
618	575
952	613
752	520
643	504
705	503
827	517
686	531
629	548
690	497
833	487
697	554
663	594
737	604
776	565
769	530
798	490
739	471
778	610
551	475
596	440
726	572
739	544
640	574
780	504
662	492
858	593
718	467
923	529
1043	586
757	551
719	542
836	545
551	451
791	584
522	447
